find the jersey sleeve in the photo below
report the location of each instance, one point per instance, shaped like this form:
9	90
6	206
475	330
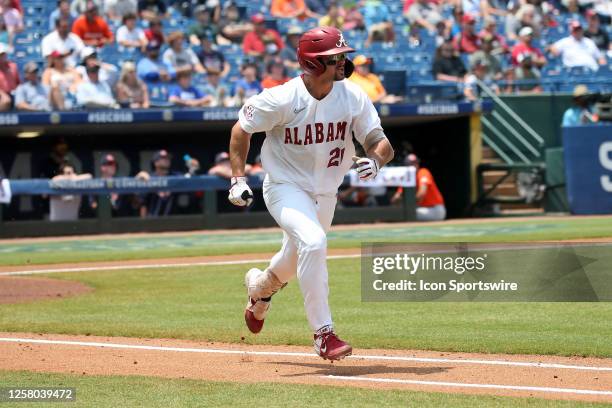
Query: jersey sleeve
366	118
260	113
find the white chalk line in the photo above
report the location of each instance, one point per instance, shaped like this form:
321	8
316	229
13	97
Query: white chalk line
470	385
297	354
151	266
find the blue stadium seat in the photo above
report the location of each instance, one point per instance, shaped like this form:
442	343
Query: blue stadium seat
394	81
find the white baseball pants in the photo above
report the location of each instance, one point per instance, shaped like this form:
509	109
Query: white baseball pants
305	220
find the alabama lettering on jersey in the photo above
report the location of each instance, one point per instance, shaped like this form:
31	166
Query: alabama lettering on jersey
308	141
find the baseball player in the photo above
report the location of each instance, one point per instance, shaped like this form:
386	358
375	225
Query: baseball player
309	123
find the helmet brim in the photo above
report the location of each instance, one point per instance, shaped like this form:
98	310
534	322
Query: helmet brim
333	51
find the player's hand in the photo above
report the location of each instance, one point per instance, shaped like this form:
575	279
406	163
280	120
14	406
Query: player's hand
366	168
240	194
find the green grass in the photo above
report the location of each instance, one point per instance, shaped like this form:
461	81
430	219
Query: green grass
83	250
135	391
206	303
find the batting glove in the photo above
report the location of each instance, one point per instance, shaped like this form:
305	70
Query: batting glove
366	168
240	194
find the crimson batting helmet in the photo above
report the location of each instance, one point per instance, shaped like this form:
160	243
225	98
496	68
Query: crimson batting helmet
320	42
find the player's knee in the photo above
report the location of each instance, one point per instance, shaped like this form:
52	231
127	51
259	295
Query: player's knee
316	242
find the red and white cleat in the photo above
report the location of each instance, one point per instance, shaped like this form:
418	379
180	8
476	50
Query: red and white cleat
329	346
255	313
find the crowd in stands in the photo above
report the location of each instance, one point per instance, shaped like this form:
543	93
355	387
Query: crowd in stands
132	54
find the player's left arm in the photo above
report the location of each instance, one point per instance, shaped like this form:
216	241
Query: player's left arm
379	152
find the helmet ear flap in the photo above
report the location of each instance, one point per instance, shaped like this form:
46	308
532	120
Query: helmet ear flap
349	67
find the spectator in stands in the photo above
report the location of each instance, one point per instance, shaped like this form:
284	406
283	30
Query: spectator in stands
212	60
425	14
576	50
218	92
525	47
524	17
369	82
93	93
223	167
353	19
257	168
116	10
332	18
467	41
248	85
377	19
66	207
62	11
80	6
152	9
596	33
92	28
493	64
9	78
289	53
121	204
581	113
500	45
455	22
62	81
291	9
185	94
13	19
447	66
63	40
158	203
430	203
262	41
155	34
131	91
181	59
108	73
152	69
478	73
129	35
528	74
204	27
233	28
32	95
276	74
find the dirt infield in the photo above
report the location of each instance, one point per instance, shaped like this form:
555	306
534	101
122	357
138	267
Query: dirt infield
585	379
20	290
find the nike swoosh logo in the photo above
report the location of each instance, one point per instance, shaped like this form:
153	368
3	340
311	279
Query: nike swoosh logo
296	110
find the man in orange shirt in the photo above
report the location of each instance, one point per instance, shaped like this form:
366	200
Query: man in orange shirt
92	28
275	74
291	9
369	82
430	204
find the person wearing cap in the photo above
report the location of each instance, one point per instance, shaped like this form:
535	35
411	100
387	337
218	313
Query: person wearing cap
151	69
219	93
63	40
95	94
333	18
289	53
425	14
185	94
131	91
93	29
182	59
129	35
152	9
262	40
447	66
429	200
525	46
32	95
212	59
494	70
9	78
155	34
467	41
120	204
276	74
159	203
248	85
108	73
581	112
576	50
369	81
62	81
62	11
478	72
117	9
205	26
596	33
66	207
527	73
222	166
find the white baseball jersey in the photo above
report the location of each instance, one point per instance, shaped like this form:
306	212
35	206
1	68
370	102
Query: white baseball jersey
308	141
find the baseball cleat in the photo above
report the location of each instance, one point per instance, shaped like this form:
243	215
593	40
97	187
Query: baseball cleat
329	346
255	313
